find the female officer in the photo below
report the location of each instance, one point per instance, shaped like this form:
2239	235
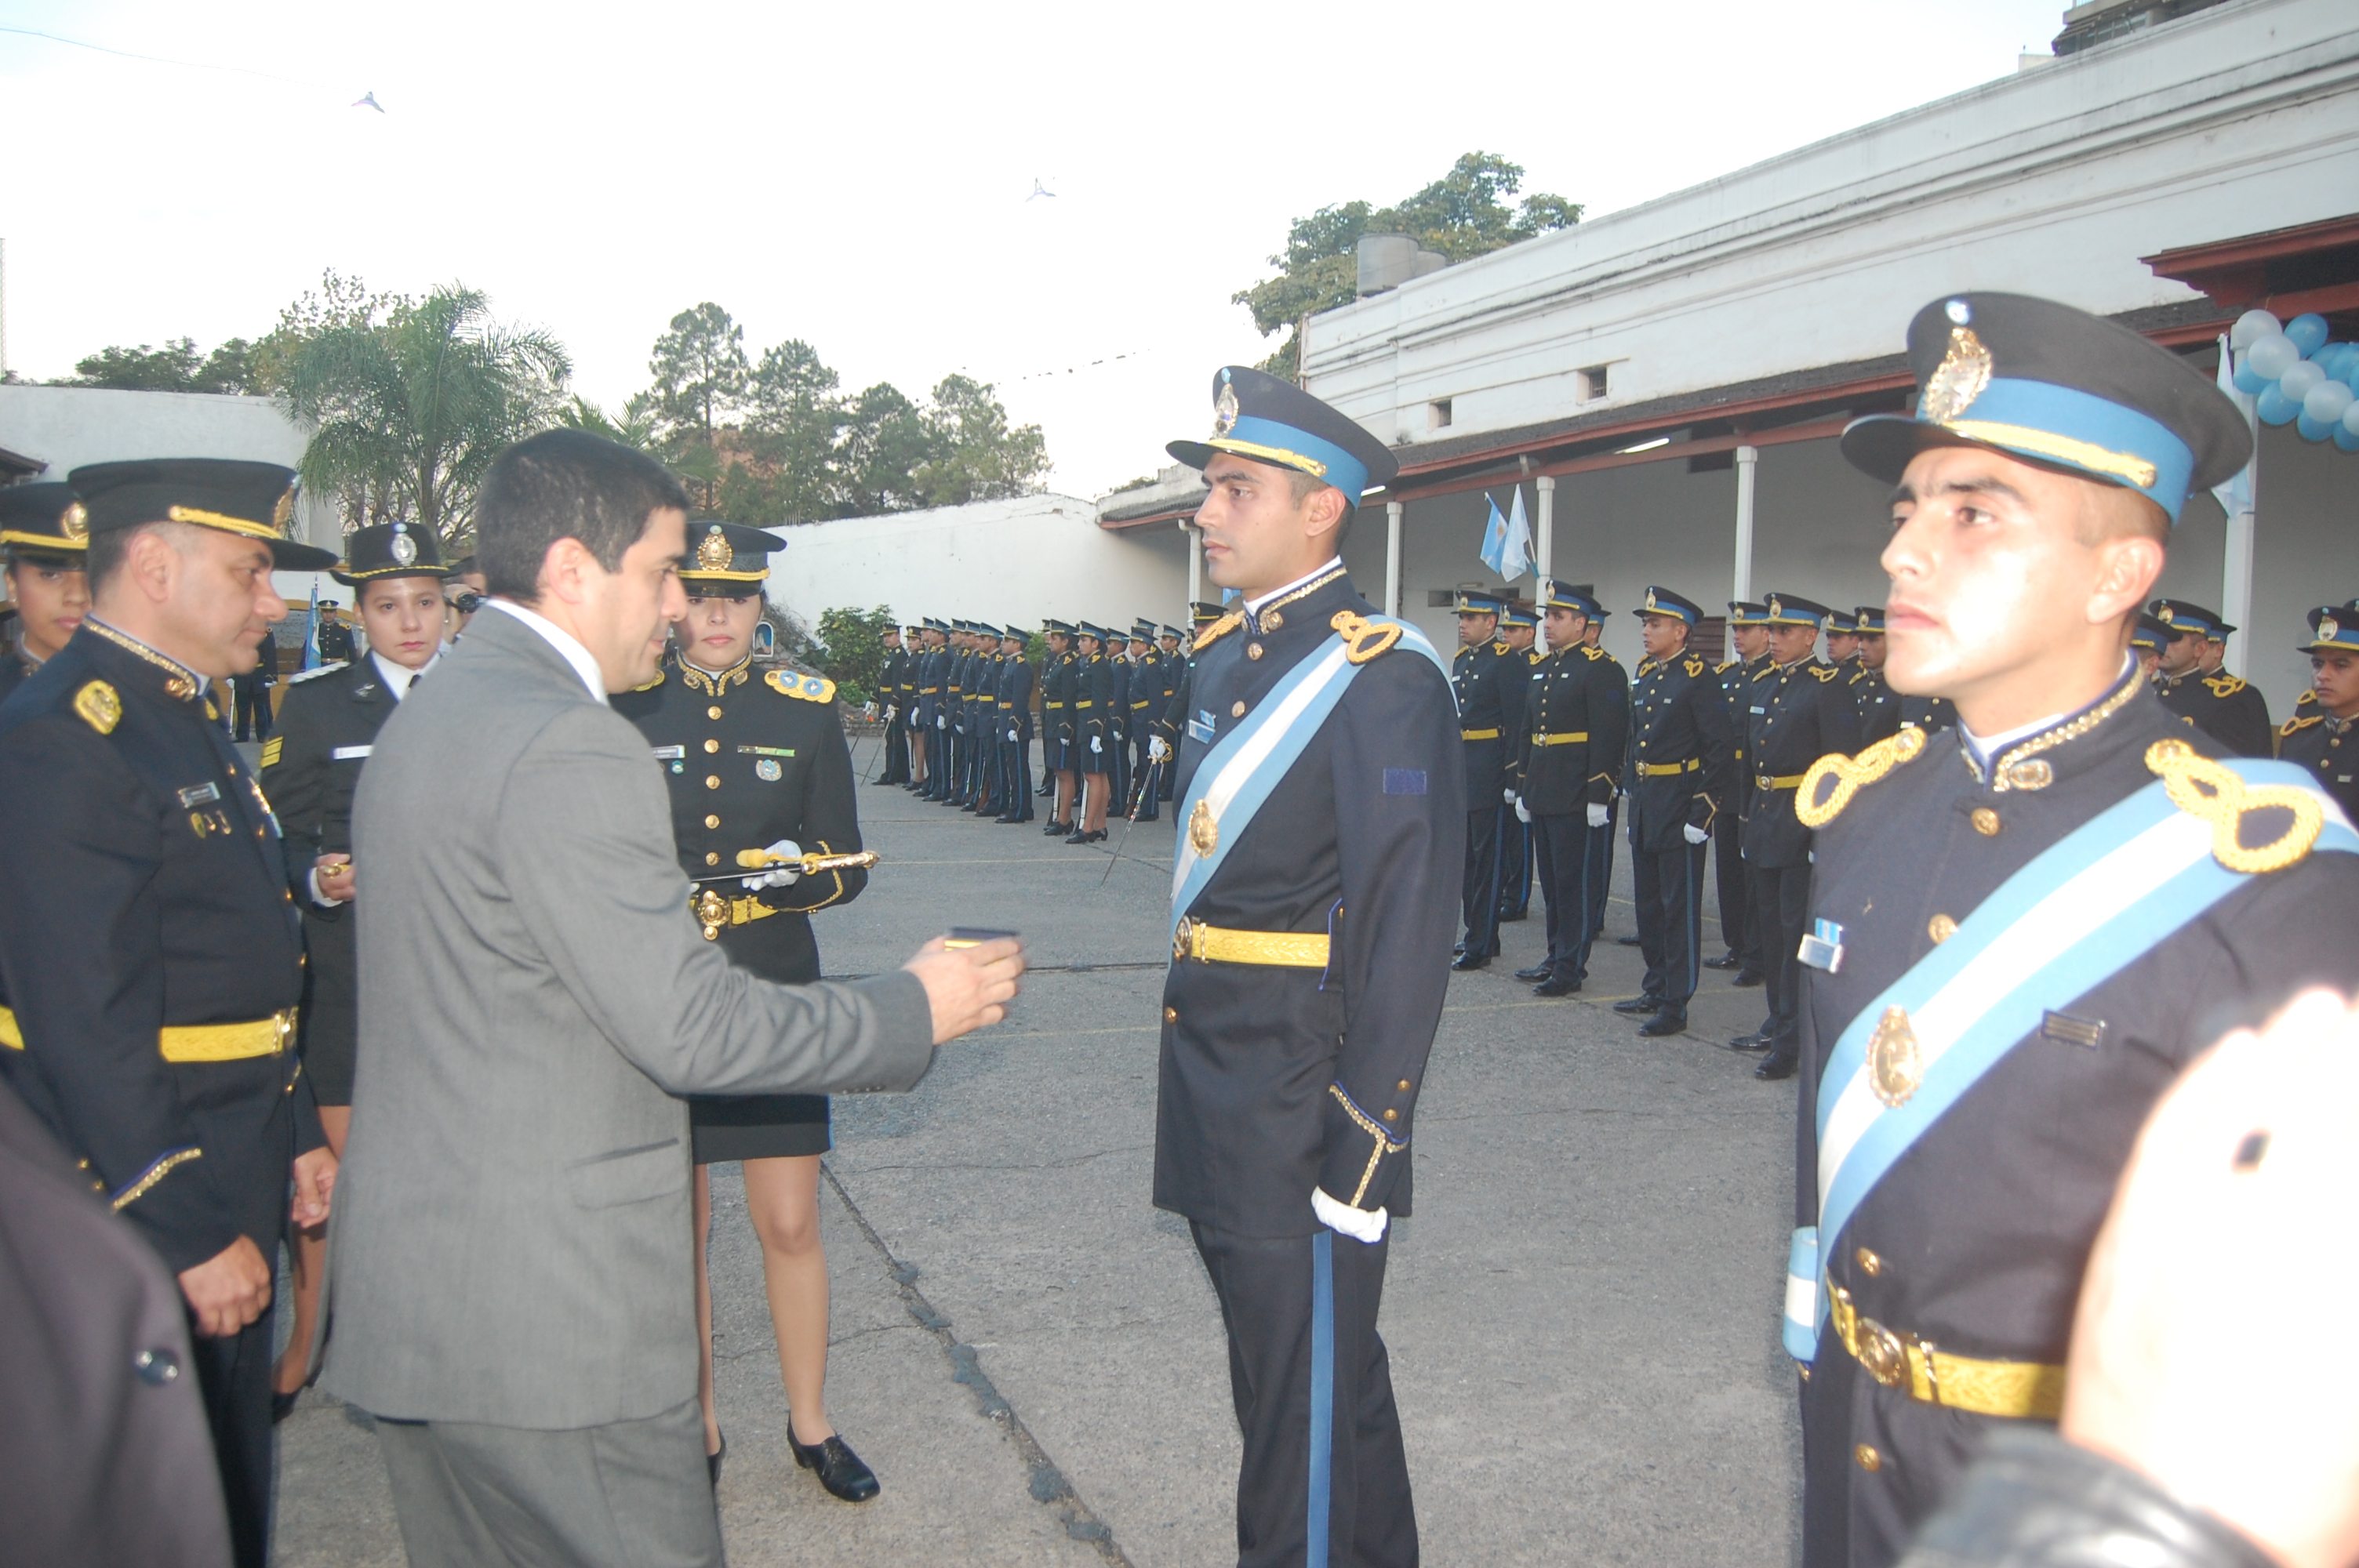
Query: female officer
327	727
757	761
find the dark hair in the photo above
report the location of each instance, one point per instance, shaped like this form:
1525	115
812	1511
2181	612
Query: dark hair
109	548
565	484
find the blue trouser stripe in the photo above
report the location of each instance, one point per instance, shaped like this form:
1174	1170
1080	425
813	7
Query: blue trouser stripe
1322	1390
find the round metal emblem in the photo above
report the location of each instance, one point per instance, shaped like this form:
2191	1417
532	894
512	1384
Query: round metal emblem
1896	1066
816	686
1225	411
1202	831
712	552
767	770
2328	627
404	549
1881	1352
75	524
1963	373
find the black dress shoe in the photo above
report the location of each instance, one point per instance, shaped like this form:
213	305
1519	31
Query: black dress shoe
712	1461
1625	941
1748	981
1536	972
1470	962
1749	1043
1639	1004
1509	917
1776	1067
1668	1022
839	1469
1057	829
1456	948
1560	985
1726	961
283	1405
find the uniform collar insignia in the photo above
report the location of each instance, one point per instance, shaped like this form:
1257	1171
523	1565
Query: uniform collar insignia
712	685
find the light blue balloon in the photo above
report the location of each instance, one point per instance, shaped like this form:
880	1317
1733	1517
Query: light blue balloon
2334	360
2346	438
2250	382
2275	407
2307	331
2312	430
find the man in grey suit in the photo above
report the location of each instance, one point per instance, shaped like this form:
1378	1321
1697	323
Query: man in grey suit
510	1268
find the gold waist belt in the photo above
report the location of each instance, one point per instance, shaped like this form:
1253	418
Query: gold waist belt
712	912
1085	705
1052	705
2020	1389
1783	781
1478	734
1574	738
1668	770
197	1041
1213	945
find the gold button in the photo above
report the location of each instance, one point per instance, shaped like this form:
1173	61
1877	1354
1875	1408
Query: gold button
1985	822
1238	711
1940	928
1253	650
1869	1263
714	712
713	822
1869	1459
711	780
711	746
1272	622
1404	1089
713	856
1170	1015
1392	1115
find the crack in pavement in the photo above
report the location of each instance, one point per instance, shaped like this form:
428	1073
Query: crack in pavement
1046	1483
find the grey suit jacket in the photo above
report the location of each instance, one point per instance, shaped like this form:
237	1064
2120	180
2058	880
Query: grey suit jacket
510	1242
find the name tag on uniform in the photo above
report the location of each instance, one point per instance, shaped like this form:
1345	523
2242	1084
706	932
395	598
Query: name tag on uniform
1822	948
669	753
196	794
1760	710
350	753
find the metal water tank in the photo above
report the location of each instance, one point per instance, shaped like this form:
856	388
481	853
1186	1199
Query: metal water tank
1386	261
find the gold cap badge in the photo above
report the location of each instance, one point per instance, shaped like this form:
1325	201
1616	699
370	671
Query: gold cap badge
712	552
1959	378
404	549
284	513
1225	411
2329	628
2163	615
75	522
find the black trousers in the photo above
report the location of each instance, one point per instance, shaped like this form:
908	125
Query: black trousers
1015	780
1118	770
254	715
938	765
1515	864
896	753
1601	870
1782	909
1481	897
234	1375
1150	778
1735	890
1669	887
1314	1400
1562	847
984	801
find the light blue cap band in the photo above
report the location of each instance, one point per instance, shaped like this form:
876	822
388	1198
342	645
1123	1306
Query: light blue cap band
2079	430
1270	441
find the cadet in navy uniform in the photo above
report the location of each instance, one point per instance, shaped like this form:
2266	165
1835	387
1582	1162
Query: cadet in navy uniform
1117	721
1475	671
152	954
1311	953
1879	705
1059	691
2222	706
757	760
43	538
1518	628
2321	739
1601	845
1164	748
310	769
890	705
926	711
1015	731
1093	732
1677	772
1803	712
1961	1144
1748	635
1150	694
1569	753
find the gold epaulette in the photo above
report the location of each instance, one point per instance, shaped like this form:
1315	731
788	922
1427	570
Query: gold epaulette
1217	630
1646	667
1724	669
2292	725
2218	794
1824	673
1535	656
1851	775
2306	698
2223	684
1594	654
1694	664
100	707
1363	639
1499	645
810	688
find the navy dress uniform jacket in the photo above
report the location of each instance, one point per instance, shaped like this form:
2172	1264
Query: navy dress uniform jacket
1977	1238
142	885
2224	707
1680	758
1574	691
1479	675
1275	1080
2326	746
1014	703
1804	712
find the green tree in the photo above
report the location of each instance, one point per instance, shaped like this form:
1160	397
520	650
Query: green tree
887	440
701	376
853	640
175	367
1462	215
978	458
406	413
634	425
793	423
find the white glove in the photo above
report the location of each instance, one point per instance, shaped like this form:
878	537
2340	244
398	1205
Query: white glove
1097	744
1158	748
942	721
1510	795
1359	1224
1596	815
1011	734
868	709
778	876
1695	834
1523	812
890	710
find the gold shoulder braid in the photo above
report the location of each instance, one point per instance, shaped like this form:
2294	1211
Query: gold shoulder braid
2204	788
1851	775
1218	630
1364	639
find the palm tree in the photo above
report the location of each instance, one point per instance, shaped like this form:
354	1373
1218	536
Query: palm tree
406	414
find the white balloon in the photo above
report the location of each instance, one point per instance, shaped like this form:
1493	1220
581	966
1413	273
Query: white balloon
2298	380
2272	356
2252	327
2328	402
2351	417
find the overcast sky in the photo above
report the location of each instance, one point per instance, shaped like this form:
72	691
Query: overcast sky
857	175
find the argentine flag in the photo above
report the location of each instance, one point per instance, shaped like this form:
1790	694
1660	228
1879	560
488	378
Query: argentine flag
1495	539
1508	541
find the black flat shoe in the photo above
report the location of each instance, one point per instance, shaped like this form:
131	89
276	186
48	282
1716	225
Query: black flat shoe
1749	1043
1556	988
1536	972
1664	1023
839	1469
1456	948
1748	981
1470	962
1055	829
1510	917
712	1461
1726	961
283	1405
1774	1068
1625	941
1639	1004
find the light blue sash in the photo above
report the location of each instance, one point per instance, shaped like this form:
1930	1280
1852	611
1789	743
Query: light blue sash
2078	914
1238	775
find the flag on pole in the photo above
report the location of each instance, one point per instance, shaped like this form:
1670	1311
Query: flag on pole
312	631
1494	538
2235	493
1519	539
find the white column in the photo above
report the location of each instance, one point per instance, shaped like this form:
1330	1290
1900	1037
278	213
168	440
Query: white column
2236	567
1393	511
1746	457
1195	561
1544	549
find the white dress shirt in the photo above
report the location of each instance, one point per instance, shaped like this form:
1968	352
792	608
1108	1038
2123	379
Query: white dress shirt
559	639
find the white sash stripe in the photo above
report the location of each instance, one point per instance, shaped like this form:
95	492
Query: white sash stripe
1271	729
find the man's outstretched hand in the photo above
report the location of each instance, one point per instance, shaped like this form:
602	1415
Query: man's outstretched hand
969	987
